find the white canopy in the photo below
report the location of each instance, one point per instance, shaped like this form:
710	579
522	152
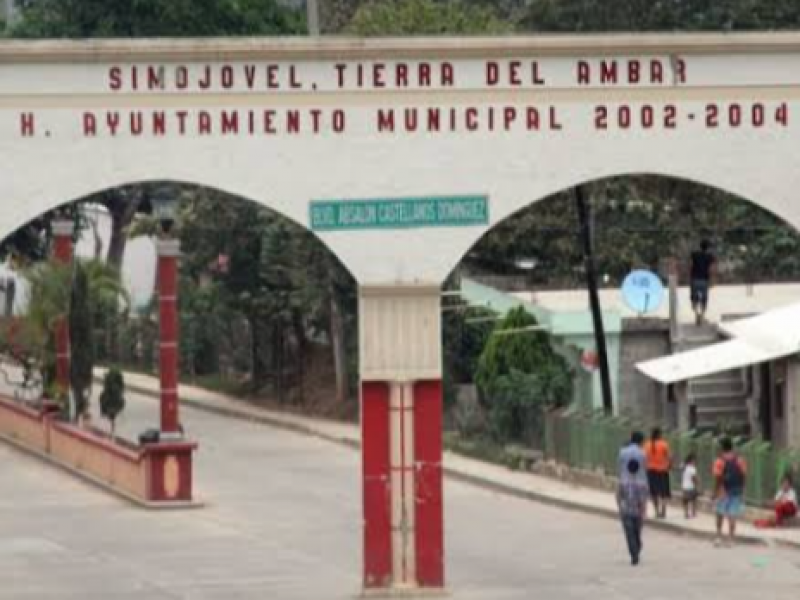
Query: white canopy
772	335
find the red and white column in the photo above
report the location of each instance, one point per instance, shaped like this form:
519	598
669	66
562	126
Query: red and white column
62	254
401	421
168	253
170	462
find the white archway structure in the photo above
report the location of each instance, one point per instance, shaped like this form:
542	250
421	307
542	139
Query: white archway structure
412	150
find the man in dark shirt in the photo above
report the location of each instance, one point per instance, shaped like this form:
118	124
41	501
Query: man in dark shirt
632	496
702	268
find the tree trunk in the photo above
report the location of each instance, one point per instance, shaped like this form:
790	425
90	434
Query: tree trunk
278	349
119	239
303	358
122	207
339	349
334	15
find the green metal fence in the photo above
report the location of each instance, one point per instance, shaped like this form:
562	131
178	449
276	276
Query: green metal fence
592	441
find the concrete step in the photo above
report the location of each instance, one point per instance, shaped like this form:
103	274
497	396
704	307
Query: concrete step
722	408
712	402
719	387
693	343
736	374
718	416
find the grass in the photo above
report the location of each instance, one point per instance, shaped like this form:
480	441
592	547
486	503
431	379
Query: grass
481	448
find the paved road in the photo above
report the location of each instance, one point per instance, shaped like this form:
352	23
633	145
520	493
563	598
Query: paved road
283	522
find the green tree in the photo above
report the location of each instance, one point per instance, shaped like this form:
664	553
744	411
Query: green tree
81	343
425	17
519	374
50	293
645	15
155	18
112	397
278	278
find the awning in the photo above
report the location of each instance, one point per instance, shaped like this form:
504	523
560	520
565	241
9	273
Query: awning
773	335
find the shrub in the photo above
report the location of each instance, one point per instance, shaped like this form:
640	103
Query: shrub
112	398
519	375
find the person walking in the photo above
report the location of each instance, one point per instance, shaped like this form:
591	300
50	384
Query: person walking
730	475
632	495
702	270
632	451
690	487
659	462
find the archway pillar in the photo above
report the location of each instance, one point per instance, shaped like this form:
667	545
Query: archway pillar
63	251
401	429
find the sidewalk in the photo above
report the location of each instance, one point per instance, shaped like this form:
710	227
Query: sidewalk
496	478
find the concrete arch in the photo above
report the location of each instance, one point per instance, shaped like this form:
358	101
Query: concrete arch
770	204
516	173
468	153
46	194
513	120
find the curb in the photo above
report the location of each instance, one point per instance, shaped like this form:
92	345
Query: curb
473	480
21	448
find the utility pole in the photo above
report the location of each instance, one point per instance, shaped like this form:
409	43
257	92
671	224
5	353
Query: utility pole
312	8
584	218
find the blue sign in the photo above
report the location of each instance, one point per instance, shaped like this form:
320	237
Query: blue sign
643	291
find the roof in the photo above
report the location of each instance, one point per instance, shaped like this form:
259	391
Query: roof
760	339
726	300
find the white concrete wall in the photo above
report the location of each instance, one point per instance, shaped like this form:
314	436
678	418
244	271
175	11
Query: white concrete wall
58	83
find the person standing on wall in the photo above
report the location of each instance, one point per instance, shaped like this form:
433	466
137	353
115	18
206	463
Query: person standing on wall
659	462
730	474
702	271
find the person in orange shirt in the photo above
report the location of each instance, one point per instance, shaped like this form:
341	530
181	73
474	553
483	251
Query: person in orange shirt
659	462
730	475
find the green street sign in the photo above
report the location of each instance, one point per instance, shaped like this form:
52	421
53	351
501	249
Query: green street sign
399	213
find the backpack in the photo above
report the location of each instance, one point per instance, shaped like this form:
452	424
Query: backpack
732	477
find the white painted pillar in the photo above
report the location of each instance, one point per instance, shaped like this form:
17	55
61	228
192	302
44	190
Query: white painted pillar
401	440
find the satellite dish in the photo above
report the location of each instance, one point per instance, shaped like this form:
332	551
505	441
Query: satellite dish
643	291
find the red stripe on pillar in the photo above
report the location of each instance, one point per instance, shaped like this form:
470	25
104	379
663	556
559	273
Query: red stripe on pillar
62	355
62	254
168	354
377	484
62	250
429	512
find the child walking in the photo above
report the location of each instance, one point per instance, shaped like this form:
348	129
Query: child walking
689	487
632	497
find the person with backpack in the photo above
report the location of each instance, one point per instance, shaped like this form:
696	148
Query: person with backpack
730	473
633	451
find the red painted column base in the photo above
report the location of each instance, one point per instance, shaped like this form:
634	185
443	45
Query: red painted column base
168	252
429	510
169	471
377	485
